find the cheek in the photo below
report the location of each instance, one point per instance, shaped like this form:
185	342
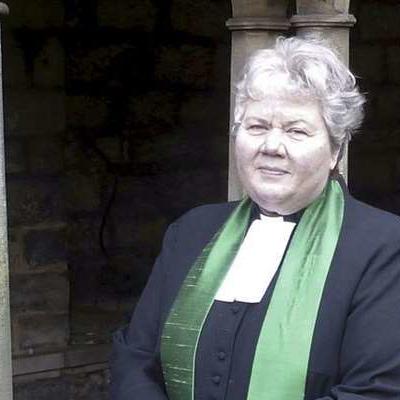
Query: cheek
246	147
316	162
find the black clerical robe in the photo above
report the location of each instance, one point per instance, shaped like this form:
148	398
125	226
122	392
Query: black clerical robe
355	353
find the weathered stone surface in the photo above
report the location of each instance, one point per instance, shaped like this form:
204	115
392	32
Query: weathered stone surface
388	104
188	64
14	69
89	65
86	111
16	160
42	331
47	292
34	200
45	246
35	14
322	7
127	14
34	112
368	62
49	65
84	192
86	270
379	21
137	231
154	109
83	235
373	176
82	386
394	63
111	147
202	113
202	17
15	259
45	155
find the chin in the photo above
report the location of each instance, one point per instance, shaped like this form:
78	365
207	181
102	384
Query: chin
273	202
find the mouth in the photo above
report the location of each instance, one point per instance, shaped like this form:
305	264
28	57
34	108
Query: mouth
272	171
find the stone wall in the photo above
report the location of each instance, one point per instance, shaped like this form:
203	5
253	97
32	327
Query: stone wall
147	117
374	163
34	86
116	123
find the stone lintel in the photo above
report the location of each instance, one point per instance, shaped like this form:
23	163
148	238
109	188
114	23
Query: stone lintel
324	20
258	23
4	10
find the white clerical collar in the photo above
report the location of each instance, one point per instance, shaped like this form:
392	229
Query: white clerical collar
257	260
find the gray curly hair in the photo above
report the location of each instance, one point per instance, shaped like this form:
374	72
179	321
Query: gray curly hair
309	69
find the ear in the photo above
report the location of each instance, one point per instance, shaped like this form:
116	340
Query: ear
337	155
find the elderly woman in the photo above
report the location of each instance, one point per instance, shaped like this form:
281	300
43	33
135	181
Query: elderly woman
291	294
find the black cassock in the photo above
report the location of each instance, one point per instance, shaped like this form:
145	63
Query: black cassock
355	353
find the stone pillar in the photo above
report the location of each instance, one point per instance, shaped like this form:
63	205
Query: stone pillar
255	24
328	20
5	331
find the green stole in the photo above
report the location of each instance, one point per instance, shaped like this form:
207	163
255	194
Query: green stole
282	353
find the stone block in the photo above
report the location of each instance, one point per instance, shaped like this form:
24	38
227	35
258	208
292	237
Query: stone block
202	17
85	277
388	105
49	65
44	246
110	146
209	115
45	155
34	112
14	68
127	14
86	112
83	235
45	292
372	175
368	62
76	385
394	64
15	251
31	201
142	232
92	64
15	155
188	65
83	194
35	14
155	108
41	331
379	21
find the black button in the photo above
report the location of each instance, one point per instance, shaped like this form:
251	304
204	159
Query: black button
235	309
221	356
216	379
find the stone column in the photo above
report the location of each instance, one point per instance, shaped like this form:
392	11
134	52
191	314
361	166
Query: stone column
255	24
328	20
5	331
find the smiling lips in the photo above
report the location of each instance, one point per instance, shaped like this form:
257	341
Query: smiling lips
272	171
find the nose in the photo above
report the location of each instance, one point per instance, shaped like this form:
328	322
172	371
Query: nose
273	143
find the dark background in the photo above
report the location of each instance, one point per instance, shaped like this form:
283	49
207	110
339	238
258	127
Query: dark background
116	123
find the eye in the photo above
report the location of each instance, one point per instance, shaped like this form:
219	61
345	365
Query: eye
298	132
256	129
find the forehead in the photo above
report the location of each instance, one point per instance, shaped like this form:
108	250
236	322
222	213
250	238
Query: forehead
284	109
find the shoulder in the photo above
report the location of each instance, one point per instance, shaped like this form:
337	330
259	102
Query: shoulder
208	212
196	226
365	218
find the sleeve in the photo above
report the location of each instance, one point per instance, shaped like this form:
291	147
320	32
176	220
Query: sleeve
370	353
135	361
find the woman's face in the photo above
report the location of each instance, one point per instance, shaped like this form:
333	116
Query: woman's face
283	153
